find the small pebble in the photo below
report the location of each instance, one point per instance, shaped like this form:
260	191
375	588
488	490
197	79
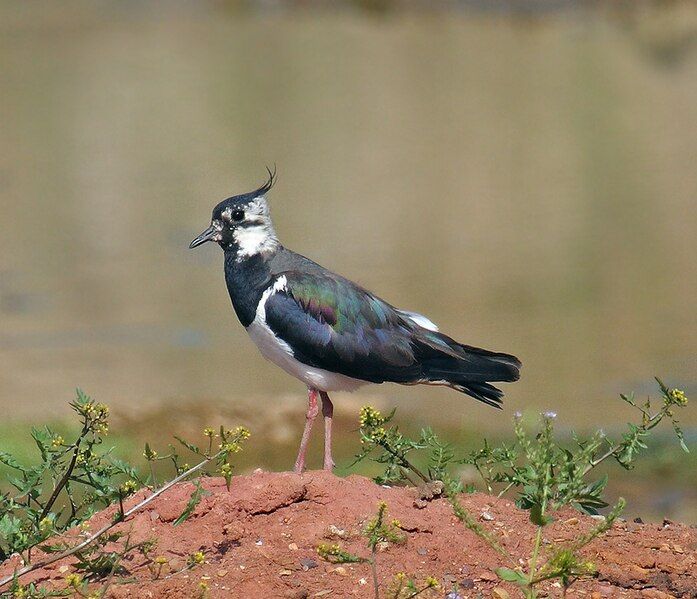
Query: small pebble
467	583
422	551
335	531
500	593
293	547
222	573
308	563
341	571
285	573
487	516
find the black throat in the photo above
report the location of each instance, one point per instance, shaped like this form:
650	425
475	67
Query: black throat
246	280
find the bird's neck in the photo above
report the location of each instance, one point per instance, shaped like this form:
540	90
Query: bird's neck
246	280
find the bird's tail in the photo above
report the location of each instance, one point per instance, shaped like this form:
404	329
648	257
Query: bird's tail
465	368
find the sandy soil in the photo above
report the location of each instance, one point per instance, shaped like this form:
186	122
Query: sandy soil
260	540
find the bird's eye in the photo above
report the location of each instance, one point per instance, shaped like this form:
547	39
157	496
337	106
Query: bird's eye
237	215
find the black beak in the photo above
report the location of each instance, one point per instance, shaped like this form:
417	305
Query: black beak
207	235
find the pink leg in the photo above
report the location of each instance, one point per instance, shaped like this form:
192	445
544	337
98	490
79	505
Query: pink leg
328	413
312	411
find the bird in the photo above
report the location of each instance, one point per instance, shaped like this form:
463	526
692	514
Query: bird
329	332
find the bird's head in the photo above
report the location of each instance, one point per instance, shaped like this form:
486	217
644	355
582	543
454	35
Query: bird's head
241	224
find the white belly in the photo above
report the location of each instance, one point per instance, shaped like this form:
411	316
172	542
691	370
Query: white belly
278	351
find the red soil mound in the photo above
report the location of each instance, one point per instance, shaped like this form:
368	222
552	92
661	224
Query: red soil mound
260	540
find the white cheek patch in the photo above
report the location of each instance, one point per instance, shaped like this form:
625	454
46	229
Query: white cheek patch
254	240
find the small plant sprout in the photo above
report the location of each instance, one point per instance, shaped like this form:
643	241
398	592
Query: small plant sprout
334	554
544	470
544	474
74	479
403	587
386	445
379	529
196	558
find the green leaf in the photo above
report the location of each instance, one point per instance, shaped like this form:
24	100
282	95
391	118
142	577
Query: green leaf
537	517
511	575
9	460
194	500
189	446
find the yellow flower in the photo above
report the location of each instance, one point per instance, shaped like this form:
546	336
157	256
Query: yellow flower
197	558
150	455
369	416
73	580
678	396
208	431
57	441
231	447
379	434
203	585
431	582
160	560
242	432
45	524
128	487
226	470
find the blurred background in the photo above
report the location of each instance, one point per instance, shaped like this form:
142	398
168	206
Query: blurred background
521	171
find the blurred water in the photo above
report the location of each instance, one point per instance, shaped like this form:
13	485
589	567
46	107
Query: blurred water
530	186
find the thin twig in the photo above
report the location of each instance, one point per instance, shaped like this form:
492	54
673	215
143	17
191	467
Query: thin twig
374	570
66	477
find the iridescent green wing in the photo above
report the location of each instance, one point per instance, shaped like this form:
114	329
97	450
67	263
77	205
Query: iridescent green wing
332	324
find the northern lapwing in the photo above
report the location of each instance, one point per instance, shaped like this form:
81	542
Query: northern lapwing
329	332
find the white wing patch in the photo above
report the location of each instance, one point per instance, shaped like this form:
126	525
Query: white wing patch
419	319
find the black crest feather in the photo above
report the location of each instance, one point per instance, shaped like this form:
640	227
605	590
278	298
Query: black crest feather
269	183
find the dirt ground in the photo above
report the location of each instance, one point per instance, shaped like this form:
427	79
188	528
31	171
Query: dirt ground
260	540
